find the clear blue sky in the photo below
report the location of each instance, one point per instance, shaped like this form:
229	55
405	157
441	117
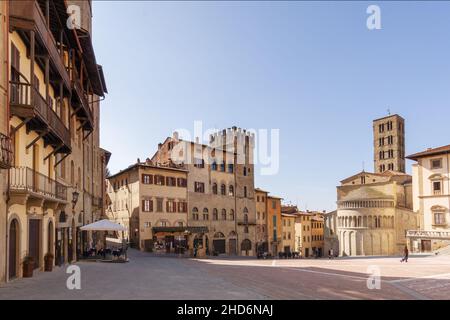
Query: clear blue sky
311	69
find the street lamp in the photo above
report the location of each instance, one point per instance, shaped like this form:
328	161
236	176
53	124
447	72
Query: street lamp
75	195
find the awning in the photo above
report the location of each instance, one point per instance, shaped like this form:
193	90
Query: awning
103	225
180	229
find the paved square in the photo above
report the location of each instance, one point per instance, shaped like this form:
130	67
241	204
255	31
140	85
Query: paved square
152	277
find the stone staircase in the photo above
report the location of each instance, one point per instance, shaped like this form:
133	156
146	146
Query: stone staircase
443	251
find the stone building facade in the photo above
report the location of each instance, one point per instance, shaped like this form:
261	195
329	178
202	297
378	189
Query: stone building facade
288	232
145	197
261	220
389	144
274	225
221	193
55	184
303	234
331	240
431	192
374	212
5	141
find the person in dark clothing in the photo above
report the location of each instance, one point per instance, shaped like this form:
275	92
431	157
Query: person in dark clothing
406	254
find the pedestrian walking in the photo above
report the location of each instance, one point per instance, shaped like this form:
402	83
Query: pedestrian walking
331	253
406	254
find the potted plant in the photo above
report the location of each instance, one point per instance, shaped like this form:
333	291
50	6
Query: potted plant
28	266
48	262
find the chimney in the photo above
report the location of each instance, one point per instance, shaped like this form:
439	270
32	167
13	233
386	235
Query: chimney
197	140
175	136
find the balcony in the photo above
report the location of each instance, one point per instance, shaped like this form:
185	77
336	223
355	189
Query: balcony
441	235
25	180
243	222
6	156
27	102
81	102
26	15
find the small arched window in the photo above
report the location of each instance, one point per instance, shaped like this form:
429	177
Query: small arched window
224	214
231	191
215	214
223	190
195	213
232	215
214	188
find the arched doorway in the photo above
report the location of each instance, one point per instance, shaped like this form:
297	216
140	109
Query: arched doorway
50	235
246	246
13	248
232	243
219	243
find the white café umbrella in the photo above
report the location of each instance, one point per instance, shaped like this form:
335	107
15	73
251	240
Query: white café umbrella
103	225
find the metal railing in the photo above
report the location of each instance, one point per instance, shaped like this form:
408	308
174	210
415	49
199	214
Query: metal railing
428	234
23	95
26	179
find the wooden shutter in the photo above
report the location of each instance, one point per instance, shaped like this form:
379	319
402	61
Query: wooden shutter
143	205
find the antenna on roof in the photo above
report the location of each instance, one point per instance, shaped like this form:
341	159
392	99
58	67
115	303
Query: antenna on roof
363	166
389	111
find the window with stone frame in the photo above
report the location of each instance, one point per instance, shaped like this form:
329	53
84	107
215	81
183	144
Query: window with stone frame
182	182
159	180
182	206
223	190
199	187
437	187
439	218
436	164
147	179
147	205
159	205
224	214
195	214
171	206
171	181
215	214
231	191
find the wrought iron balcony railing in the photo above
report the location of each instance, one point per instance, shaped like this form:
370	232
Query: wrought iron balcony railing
27	180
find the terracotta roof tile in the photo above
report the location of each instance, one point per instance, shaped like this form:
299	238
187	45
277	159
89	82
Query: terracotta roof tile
430	152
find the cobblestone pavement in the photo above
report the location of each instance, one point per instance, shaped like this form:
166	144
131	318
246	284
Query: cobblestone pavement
150	277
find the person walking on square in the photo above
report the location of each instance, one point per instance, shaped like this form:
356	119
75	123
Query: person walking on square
406	254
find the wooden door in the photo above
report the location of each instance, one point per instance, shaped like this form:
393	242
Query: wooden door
34	231
13	245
